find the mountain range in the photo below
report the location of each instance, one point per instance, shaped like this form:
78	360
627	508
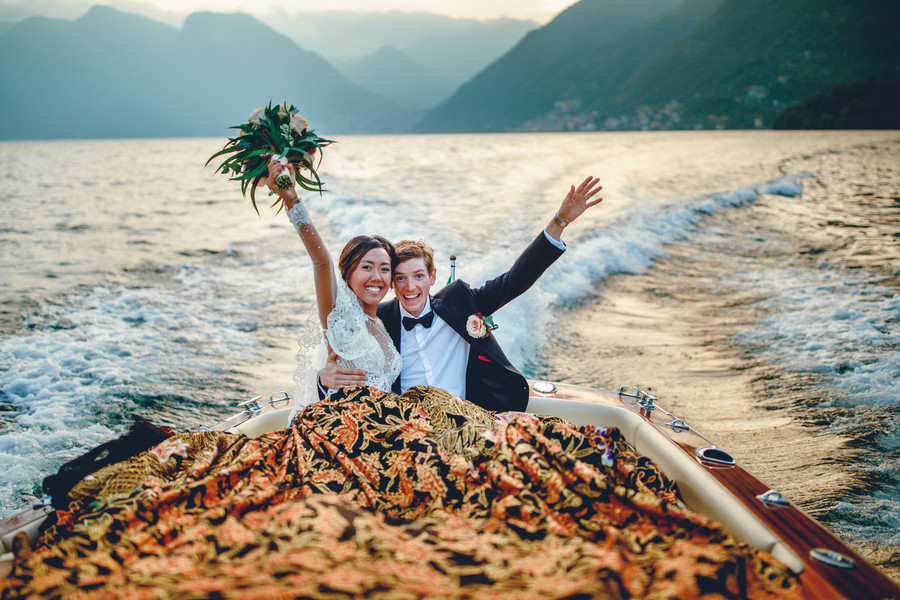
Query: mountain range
215	68
453	49
394	74
114	74
661	64
600	64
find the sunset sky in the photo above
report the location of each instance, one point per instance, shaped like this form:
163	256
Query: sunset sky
538	10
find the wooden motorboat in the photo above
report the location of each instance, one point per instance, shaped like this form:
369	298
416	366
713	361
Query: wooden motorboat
709	479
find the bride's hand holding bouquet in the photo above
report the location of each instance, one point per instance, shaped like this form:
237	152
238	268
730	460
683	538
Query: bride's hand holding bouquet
281	179
273	132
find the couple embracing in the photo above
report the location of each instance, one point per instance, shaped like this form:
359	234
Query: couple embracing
416	339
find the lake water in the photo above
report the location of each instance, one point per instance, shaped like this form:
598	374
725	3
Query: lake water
751	280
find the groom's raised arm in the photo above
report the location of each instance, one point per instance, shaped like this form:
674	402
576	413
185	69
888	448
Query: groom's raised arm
542	252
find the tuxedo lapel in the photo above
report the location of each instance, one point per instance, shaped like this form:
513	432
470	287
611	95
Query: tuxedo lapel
445	311
389	313
455	315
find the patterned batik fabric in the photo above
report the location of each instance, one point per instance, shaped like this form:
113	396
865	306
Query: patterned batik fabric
383	496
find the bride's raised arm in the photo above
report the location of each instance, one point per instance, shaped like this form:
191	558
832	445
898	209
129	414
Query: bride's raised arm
323	267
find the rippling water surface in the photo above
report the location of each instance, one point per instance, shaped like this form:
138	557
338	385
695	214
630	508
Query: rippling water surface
750	279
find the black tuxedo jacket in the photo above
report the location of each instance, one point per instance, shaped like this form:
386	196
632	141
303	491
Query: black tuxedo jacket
491	380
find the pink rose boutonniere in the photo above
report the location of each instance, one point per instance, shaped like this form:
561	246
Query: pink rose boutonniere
479	326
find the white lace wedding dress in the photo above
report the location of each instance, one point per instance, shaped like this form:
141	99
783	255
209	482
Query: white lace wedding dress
360	341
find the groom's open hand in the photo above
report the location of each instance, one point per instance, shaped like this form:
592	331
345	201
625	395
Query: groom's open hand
333	377
578	200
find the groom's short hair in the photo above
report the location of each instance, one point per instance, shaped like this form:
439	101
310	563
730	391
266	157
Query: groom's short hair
409	249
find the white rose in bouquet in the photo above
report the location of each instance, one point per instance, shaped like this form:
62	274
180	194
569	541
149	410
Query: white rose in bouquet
257	115
299	124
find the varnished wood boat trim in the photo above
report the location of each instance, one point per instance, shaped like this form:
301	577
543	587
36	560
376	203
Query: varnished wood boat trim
797	530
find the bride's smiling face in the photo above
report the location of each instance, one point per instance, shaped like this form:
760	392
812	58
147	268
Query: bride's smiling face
370	280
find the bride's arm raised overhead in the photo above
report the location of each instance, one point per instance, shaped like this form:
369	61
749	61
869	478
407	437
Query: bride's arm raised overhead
323	266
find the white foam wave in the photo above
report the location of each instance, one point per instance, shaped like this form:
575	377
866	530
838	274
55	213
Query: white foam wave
82	362
628	246
828	323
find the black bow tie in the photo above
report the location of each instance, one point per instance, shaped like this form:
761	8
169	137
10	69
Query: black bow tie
424	321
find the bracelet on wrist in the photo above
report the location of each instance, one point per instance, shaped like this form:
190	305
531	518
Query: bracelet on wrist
560	221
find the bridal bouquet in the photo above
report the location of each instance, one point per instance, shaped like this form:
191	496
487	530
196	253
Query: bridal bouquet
272	130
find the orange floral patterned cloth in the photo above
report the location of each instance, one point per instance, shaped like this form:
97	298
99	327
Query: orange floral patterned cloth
382	496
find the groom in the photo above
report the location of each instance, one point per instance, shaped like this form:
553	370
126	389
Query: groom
442	338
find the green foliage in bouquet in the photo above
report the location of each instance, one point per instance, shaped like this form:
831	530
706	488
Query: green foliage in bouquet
272	130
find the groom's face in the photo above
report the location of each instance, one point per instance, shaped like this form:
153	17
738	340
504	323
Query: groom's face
412	284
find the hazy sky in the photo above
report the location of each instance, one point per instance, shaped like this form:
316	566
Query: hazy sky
541	10
538	10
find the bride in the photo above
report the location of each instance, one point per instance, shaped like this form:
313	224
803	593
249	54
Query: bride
346	306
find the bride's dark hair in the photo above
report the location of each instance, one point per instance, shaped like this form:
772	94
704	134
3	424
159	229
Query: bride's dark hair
357	247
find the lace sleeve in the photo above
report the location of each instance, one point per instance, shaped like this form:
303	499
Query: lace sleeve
298	215
346	334
311	356
347	331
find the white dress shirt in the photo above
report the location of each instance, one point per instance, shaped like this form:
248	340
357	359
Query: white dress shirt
435	356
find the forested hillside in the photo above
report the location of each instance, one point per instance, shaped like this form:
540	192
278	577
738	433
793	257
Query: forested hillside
612	64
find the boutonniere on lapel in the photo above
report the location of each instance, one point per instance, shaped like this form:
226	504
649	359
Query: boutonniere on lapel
479	326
